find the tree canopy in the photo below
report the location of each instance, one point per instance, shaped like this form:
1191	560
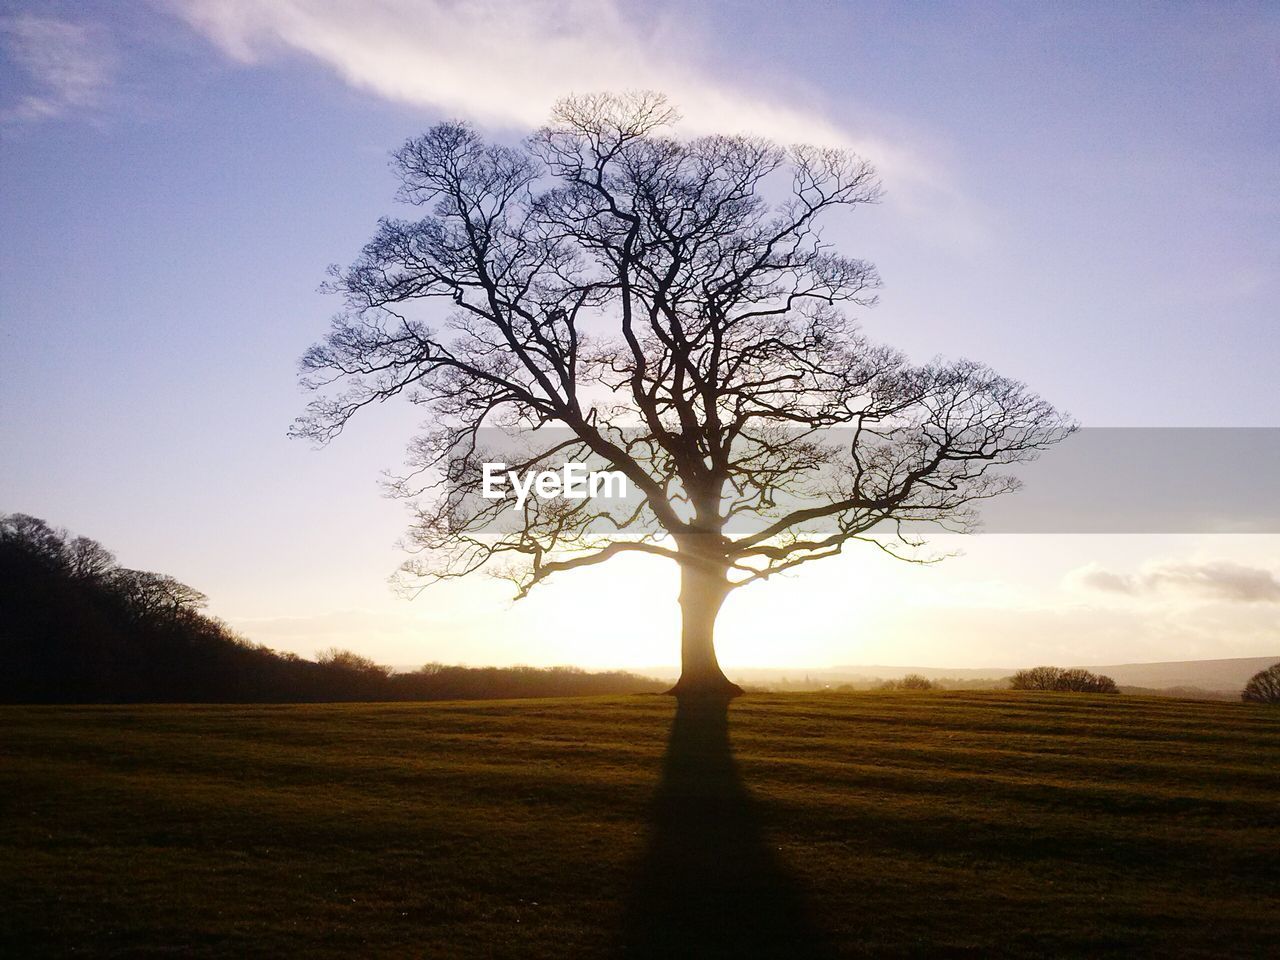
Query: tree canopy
1263	686
669	308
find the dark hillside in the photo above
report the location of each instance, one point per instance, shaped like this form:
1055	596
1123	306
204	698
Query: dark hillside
75	627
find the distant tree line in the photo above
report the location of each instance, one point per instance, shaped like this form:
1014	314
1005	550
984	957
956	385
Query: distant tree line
1036	678
1056	678
912	681
76	627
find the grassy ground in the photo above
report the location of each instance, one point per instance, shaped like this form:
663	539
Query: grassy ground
881	825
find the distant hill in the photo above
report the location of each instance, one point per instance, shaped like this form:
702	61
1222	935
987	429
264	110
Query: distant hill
1230	674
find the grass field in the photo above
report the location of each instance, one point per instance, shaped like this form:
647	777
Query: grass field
879	825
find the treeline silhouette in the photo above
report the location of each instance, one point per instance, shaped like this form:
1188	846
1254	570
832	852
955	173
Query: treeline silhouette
912	681
76	627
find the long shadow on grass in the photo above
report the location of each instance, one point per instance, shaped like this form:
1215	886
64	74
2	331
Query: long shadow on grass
710	885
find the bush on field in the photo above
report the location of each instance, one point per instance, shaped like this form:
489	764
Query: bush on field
912	681
1056	678
1263	686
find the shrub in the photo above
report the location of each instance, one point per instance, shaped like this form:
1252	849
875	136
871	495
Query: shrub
912	681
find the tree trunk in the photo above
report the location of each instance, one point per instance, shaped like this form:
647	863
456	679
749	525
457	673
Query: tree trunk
703	588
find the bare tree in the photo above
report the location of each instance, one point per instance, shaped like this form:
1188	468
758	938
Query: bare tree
35	537
1263	686
668	307
156	594
90	560
1036	678
1074	680
351	662
1077	680
914	681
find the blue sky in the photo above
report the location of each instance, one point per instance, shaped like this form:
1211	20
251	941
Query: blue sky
1085	196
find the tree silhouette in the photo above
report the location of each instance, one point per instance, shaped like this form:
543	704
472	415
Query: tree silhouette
1074	680
667	308
1263	686
914	681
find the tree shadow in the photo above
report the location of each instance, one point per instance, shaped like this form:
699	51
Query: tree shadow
710	885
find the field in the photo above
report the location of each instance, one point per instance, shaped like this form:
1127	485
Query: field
878	825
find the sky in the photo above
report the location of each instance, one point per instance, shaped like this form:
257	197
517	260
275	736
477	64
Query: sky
1084	196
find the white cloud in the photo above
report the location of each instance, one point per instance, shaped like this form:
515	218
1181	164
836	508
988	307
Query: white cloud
1214	580
68	65
505	62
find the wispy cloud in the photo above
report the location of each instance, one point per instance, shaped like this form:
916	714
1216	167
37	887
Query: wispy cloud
67	65
505	63
1216	580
